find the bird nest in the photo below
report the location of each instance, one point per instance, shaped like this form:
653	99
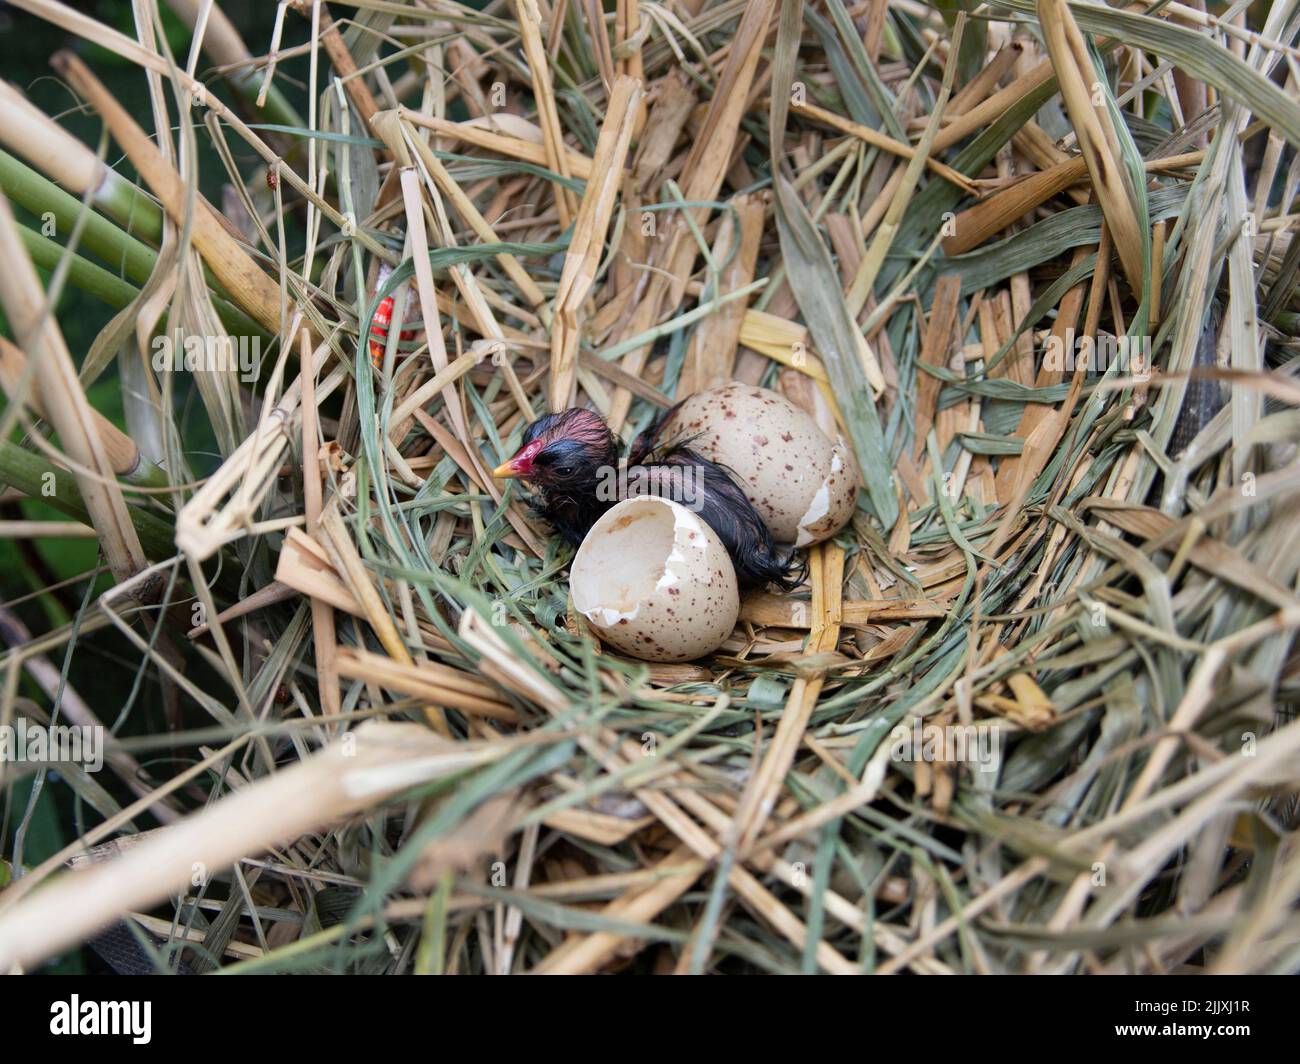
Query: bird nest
1029	711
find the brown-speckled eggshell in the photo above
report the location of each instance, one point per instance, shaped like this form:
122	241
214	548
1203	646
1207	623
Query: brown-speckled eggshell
655	581
803	484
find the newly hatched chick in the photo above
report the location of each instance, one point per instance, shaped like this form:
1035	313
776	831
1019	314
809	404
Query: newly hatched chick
570	460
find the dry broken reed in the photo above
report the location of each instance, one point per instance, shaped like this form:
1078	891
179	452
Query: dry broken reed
1020	258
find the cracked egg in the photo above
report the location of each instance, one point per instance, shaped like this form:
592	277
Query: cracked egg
803	484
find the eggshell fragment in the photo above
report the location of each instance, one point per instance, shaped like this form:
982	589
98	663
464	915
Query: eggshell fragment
655	581
803	484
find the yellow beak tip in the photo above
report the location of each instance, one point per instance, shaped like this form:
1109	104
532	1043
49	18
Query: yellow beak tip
503	471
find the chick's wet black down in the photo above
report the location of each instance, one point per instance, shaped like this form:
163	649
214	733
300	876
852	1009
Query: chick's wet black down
570	460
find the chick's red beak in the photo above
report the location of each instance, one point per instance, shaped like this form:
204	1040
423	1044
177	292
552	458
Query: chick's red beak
521	465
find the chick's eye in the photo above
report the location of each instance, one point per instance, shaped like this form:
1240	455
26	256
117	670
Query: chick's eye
563	470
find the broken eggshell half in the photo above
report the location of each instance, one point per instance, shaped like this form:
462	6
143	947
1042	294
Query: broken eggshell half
655	581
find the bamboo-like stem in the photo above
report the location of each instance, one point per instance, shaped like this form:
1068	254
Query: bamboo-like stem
65	403
123	454
35	136
93	279
957	595
83	274
99	236
243	279
75	22
35	477
109	243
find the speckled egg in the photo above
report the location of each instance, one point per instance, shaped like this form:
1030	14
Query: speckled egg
655	581
803	484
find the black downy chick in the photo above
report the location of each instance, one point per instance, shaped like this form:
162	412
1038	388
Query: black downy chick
564	458
570	460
